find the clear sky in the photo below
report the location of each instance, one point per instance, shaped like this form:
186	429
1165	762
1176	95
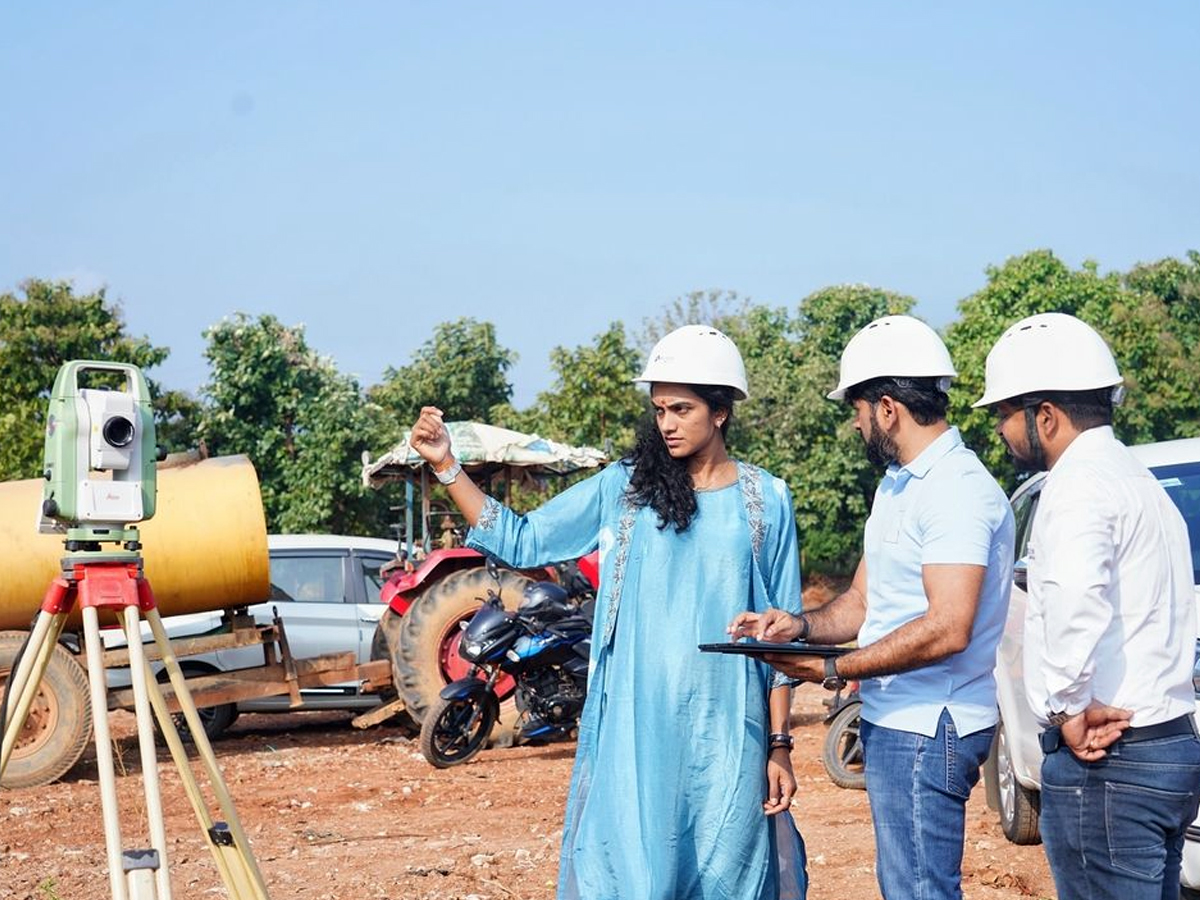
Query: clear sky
373	168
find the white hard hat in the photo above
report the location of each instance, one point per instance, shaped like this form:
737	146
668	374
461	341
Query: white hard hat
1048	352
697	354
893	347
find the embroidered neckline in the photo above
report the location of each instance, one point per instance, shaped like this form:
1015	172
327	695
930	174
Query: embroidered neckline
713	490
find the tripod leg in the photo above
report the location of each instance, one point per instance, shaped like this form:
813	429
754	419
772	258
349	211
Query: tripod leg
24	681
104	761
227	868
251	876
146	750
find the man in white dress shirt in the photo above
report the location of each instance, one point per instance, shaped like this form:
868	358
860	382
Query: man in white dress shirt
1110	627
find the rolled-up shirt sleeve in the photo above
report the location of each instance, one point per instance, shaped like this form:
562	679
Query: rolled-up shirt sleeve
1072	573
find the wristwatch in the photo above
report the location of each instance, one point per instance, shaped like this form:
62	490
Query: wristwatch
805	627
448	474
1056	719
780	740
833	681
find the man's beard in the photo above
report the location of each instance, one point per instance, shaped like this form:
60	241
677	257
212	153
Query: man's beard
1034	458
881	449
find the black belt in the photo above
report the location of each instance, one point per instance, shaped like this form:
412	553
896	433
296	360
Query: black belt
1051	738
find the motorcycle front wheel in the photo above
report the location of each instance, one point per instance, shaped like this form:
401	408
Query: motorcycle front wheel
453	731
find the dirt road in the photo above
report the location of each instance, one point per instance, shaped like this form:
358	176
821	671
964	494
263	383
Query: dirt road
339	814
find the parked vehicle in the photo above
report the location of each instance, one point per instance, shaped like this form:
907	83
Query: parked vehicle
842	752
325	589
539	653
1013	771
435	591
205	549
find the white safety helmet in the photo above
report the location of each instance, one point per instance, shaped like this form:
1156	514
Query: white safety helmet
893	347
697	354
1049	352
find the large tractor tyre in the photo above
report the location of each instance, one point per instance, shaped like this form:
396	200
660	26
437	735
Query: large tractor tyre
59	724
215	720
429	636
383	646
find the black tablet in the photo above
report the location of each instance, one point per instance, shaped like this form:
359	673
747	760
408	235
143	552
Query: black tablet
793	648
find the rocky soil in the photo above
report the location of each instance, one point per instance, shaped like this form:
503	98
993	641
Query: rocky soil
334	813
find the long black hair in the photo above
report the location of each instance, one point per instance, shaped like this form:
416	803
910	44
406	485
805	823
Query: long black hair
661	481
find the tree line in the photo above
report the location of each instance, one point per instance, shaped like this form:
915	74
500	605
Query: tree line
305	425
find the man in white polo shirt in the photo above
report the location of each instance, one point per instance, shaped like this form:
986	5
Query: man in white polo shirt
1110	626
927	606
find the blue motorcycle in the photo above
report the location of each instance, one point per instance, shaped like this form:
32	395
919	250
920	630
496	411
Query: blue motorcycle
543	645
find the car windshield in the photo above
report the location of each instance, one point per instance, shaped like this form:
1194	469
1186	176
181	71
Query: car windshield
1182	484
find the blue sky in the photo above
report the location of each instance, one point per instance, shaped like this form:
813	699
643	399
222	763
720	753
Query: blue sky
371	169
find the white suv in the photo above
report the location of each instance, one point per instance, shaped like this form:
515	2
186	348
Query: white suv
1013	771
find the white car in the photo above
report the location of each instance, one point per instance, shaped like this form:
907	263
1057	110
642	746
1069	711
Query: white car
326	590
1013	771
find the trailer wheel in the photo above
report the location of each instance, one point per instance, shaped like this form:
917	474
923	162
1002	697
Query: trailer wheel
59	724
429	633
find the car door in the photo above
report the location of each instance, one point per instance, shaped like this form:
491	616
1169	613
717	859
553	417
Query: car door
365	566
1021	725
309	588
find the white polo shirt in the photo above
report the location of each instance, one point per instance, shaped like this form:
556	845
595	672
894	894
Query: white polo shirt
1111	614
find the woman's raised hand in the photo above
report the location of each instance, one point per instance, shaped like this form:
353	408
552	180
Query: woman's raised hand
429	436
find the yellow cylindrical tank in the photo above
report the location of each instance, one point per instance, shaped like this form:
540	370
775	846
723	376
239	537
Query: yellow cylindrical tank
205	548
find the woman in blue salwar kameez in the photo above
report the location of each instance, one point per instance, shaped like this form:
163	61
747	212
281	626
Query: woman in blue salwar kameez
682	782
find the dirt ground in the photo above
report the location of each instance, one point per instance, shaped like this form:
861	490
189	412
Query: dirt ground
334	813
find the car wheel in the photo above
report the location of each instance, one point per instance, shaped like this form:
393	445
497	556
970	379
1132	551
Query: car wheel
1018	805
214	719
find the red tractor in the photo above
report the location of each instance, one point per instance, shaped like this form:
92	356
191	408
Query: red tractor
432	592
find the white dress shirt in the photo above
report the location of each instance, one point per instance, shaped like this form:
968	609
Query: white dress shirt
1111	614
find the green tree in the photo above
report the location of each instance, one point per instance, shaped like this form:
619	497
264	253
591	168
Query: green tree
461	369
789	427
1153	343
594	401
1176	283
303	424
696	308
46	325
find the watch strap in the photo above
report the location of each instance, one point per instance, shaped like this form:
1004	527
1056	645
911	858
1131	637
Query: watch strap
833	681
448	474
805	627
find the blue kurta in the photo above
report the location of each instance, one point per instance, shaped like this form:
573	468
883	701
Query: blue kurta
666	797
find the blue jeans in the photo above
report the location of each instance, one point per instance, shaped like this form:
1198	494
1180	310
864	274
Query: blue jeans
1115	828
918	788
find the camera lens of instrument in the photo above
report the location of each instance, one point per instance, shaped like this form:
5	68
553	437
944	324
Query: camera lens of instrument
118	432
